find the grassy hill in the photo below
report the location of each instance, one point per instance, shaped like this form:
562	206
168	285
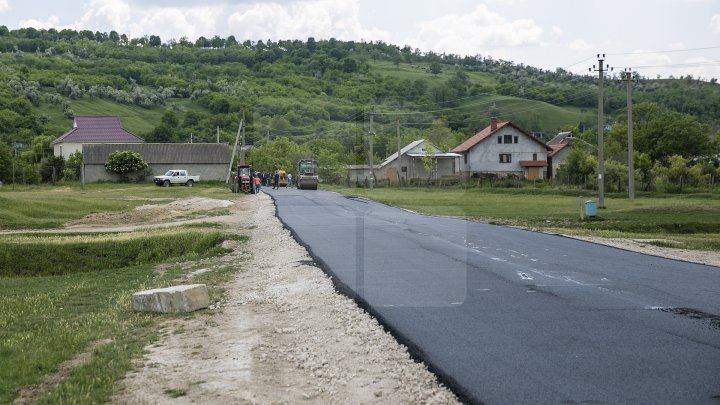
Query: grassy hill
296	89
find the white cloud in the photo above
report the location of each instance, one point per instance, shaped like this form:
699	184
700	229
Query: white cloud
715	21
114	14
475	32
556	31
51	22
175	23
579	45
300	20
4	5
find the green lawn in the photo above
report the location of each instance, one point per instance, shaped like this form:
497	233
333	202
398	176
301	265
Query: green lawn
689	221
69	294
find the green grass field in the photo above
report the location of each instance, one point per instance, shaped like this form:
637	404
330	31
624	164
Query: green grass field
64	295
687	221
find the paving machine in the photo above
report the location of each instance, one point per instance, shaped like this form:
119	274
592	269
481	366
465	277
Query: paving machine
307	175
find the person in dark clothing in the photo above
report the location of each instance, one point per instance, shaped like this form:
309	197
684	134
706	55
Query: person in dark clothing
276	183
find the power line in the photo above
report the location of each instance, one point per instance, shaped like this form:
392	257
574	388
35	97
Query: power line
667	51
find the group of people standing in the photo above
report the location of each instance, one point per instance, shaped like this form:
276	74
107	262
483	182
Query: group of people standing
270	179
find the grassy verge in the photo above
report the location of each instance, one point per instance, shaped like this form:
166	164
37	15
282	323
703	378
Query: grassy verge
48	320
67	327
689	221
48	207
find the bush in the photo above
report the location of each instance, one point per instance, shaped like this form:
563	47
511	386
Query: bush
124	163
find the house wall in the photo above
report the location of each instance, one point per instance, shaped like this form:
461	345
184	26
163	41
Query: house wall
207	172
415	166
558	159
65	149
485	156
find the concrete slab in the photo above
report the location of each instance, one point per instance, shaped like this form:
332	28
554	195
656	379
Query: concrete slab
179	298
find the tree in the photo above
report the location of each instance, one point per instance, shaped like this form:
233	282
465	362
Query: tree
5	162
52	169
170	118
154	41
578	168
435	68
662	133
428	159
124	163
281	153
673	176
440	135
73	166
163	133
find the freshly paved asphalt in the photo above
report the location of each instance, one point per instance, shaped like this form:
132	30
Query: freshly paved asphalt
509	316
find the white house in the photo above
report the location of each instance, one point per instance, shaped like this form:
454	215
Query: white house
561	146
91	130
409	166
502	149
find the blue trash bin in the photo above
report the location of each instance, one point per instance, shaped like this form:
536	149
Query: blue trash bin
590	208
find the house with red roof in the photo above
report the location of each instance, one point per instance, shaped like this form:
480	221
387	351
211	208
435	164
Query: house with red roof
503	149
92	130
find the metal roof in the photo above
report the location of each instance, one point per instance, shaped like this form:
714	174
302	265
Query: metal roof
97	129
159	153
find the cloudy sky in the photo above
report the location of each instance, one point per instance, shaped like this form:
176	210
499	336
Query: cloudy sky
654	37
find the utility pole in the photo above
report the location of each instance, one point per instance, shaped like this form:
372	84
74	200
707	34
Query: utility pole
631	157
242	143
601	128
399	162
234	151
218	134
371	136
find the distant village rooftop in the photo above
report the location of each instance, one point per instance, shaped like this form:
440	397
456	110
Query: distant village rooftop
97	129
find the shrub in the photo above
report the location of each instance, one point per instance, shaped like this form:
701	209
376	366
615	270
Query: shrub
124	163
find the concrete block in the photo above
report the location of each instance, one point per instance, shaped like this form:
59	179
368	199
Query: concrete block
179	298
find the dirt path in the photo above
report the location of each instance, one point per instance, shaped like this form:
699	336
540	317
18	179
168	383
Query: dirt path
284	336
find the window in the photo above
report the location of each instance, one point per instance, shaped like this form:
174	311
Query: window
403	169
499	139
465	158
516	139
534	156
505	158
508	139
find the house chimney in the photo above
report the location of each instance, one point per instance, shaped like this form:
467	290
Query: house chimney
493	123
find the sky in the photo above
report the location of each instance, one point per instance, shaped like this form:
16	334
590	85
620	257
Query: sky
652	37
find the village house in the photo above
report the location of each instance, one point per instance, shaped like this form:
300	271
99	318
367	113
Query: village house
91	130
561	146
503	149
408	166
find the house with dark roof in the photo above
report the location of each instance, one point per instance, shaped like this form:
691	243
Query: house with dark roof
502	149
92	130
210	161
561	145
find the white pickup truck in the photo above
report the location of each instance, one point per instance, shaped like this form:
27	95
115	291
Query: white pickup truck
176	176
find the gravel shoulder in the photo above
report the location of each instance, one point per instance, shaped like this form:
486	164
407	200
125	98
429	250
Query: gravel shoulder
283	336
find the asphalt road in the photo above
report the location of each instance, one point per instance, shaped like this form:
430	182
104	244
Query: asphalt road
509	316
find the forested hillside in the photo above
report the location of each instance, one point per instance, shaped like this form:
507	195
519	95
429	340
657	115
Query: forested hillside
310	90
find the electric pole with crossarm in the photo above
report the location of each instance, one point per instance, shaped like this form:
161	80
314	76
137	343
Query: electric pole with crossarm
601	128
